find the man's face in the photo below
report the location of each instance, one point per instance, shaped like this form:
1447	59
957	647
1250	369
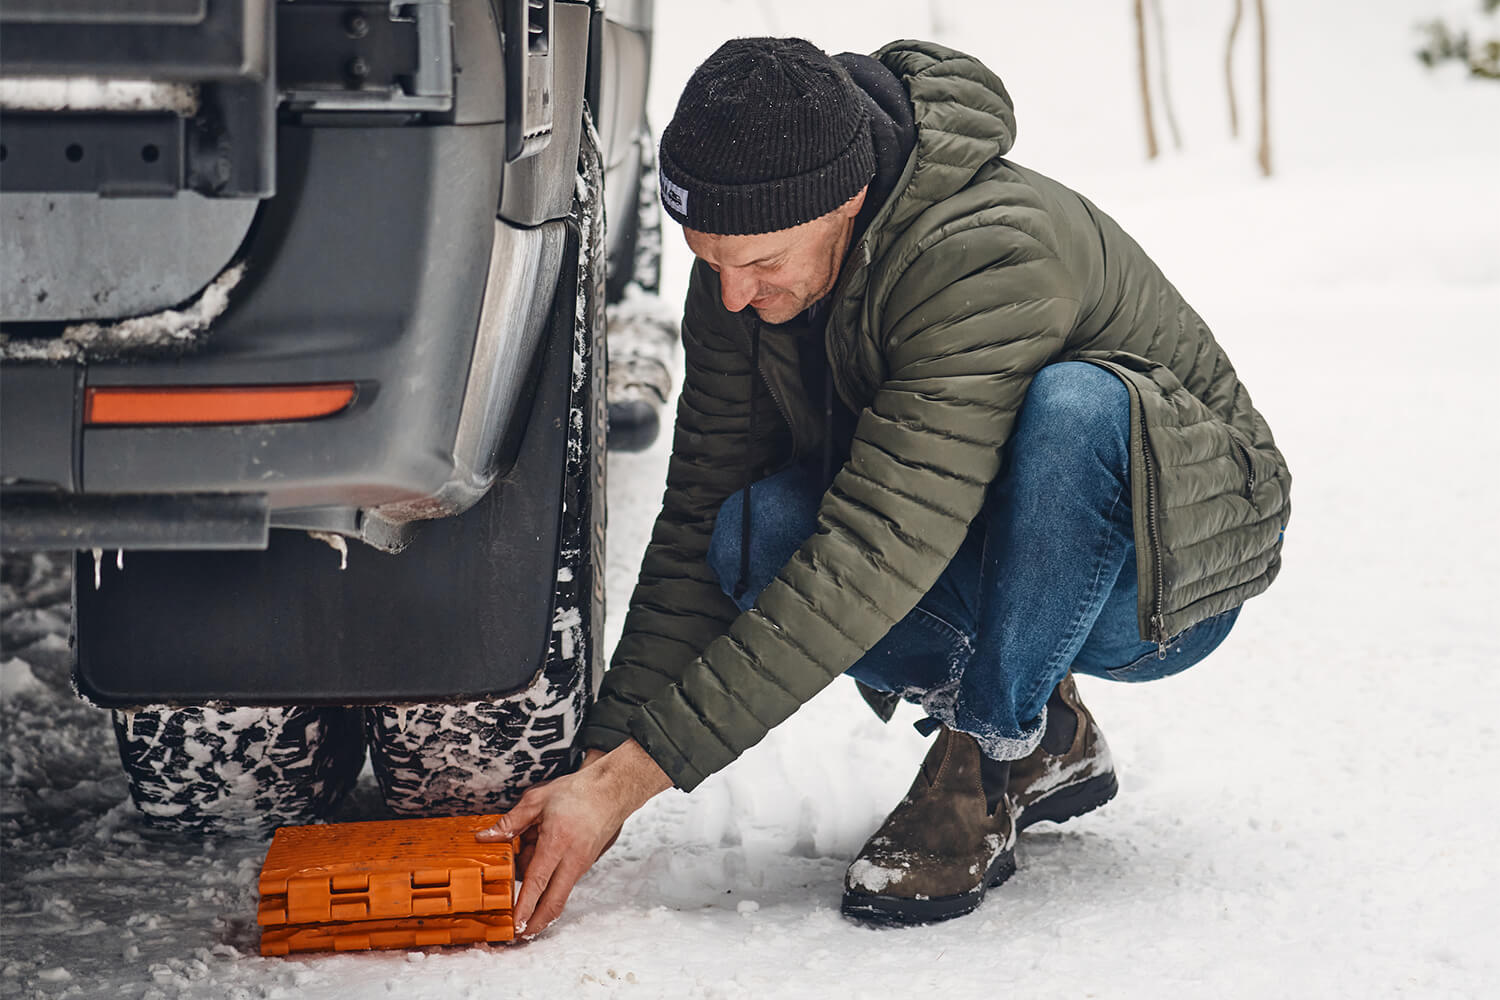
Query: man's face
782	273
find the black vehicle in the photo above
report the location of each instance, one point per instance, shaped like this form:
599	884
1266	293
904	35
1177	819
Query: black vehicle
303	354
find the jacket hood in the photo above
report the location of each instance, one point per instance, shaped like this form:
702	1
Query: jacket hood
964	124
964	115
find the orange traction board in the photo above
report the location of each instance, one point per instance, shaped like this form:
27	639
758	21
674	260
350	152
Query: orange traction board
385	884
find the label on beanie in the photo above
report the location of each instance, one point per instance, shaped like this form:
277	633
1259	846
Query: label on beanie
672	195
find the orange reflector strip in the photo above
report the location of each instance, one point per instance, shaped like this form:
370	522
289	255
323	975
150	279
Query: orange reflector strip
256	404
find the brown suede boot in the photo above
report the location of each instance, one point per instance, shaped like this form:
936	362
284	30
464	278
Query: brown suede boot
1071	772
949	840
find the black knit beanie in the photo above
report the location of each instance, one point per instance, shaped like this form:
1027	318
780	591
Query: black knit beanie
769	133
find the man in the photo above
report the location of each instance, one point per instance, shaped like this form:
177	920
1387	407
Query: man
990	447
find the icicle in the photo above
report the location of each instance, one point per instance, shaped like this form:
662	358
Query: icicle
336	542
120	560
98	566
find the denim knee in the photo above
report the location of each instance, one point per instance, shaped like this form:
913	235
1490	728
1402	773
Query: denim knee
1075	403
783	514
724	544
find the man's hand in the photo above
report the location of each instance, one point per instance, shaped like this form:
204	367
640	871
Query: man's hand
565	824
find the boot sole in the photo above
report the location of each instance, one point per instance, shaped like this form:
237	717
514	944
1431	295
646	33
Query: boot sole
873	908
1068	803
633	425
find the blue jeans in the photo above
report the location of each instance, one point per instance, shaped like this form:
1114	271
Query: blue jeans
1044	583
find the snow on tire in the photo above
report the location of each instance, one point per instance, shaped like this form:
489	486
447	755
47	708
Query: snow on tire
647	262
238	770
475	757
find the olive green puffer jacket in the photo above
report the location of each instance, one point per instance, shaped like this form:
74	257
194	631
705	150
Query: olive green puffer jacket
974	274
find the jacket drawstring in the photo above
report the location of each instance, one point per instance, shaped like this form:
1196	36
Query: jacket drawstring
745	515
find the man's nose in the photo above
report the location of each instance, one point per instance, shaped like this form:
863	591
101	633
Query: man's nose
736	288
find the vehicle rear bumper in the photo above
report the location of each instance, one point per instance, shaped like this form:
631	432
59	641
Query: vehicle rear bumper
400	281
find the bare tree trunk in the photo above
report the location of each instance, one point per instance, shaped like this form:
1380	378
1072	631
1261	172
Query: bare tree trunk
1263	155
938	21
1140	47
1234	31
1161	73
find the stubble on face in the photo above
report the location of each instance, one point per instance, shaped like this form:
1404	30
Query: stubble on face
783	273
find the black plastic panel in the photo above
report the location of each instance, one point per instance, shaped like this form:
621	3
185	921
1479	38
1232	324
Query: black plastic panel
113	155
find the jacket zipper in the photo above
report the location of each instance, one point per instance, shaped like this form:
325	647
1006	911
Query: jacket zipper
1153	532
780	406
1242	459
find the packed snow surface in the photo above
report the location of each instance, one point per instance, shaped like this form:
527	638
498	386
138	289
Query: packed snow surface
1309	813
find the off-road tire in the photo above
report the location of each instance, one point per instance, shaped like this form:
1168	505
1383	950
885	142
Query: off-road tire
637	252
238	771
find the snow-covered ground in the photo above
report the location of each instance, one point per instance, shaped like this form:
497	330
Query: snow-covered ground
1311	812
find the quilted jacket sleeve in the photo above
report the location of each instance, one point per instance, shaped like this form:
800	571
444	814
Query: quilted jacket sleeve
678	608
967	317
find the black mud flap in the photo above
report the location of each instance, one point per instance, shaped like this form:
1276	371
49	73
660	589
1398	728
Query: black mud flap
464	612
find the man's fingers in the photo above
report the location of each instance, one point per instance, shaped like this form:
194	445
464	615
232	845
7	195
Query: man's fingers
510	825
560	829
558	888
526	851
543	862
